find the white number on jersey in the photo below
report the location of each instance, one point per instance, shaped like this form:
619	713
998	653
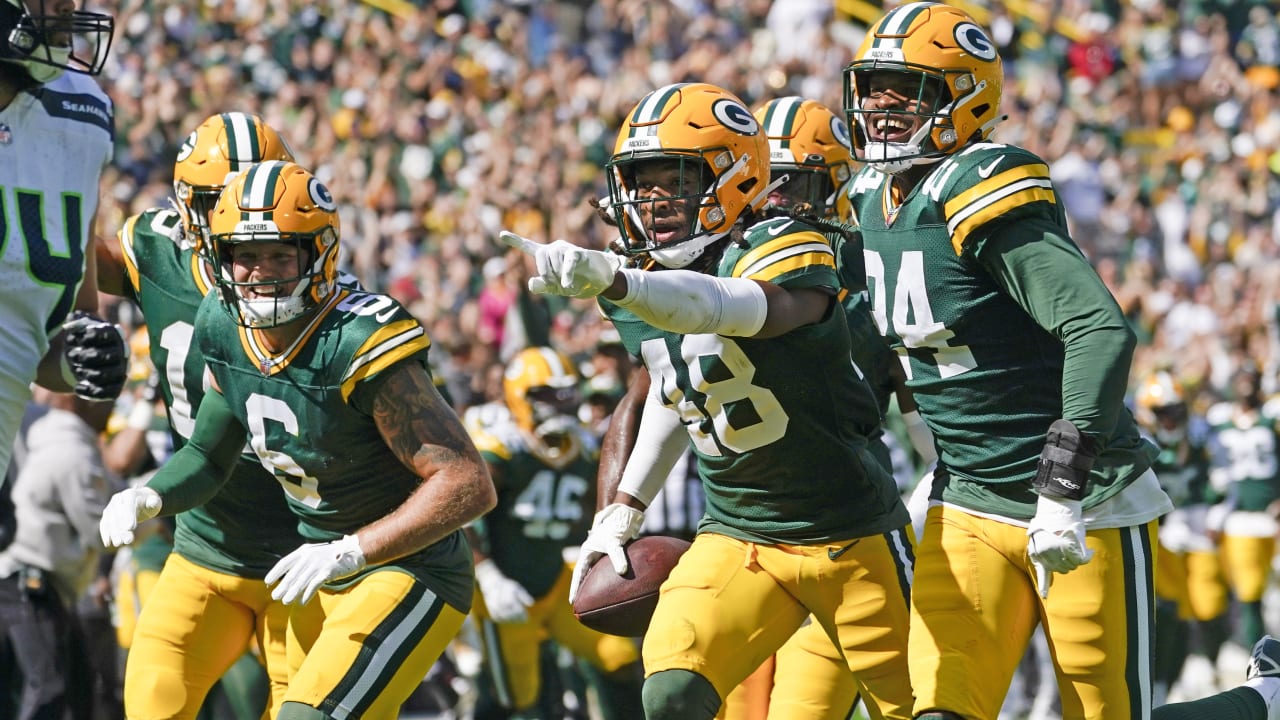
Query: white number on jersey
297	483
706	411
913	314
549	509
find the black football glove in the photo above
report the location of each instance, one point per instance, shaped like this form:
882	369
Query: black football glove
97	355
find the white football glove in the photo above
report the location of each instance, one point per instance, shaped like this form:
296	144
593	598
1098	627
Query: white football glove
507	600
1055	540
565	268
614	526
124	511
303	571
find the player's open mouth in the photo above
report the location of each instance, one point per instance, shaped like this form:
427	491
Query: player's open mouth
891	128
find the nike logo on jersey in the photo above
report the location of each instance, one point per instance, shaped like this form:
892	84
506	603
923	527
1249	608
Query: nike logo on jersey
985	172
835	553
776	230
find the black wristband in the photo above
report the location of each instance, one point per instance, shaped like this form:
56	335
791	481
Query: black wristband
1065	462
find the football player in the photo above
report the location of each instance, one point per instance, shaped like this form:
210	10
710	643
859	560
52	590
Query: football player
738	325
330	387
542	464
811	162
210	602
1189	583
56	132
1018	356
1245	467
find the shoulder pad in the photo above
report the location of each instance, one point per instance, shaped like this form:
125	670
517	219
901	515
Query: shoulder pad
78	98
778	248
987	181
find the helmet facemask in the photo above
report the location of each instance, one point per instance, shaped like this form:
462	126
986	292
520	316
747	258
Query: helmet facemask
541	390
1170	423
917	130
194	205
797	188
667	204
265	304
47	44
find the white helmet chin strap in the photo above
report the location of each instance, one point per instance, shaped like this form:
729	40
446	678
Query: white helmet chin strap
892	158
270	312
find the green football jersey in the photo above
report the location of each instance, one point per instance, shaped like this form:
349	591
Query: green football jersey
1183	467
779	426
1246	452
247	526
987	377
541	510
871	355
308	410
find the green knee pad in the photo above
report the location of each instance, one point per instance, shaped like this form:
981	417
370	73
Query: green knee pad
300	711
679	695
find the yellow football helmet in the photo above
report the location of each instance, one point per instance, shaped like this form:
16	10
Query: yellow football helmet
948	61
691	127
276	202
542	391
1161	407
223	145
810	144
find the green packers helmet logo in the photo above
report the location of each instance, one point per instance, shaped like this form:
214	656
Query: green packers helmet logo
188	147
321	196
975	42
735	116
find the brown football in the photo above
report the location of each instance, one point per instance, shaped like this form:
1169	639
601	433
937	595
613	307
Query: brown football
623	604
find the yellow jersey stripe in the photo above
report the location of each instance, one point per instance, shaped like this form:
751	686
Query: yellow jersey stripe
130	257
384	348
994	206
202	272
779	266
986	187
782	242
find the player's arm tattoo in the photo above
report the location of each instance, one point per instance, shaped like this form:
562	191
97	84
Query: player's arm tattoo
418	425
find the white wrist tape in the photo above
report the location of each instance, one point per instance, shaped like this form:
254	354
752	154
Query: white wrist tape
692	303
920	435
660	441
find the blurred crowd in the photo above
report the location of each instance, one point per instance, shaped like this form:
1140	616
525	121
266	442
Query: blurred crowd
438	123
